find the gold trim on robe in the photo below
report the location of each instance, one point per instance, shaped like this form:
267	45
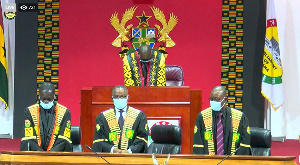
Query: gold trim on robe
113	125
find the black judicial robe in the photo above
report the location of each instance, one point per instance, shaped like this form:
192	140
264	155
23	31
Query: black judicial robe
47	130
236	132
155	72
108	134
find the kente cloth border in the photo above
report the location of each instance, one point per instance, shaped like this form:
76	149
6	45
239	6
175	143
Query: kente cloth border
232	51
48	43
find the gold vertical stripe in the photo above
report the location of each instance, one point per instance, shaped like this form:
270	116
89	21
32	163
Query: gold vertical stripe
128	124
207	118
236	118
113	125
34	113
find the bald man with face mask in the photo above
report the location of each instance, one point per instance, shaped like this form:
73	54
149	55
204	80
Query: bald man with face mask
144	67
221	130
47	124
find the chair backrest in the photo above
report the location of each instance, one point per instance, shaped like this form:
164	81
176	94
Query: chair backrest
166	139
260	141
174	75
76	138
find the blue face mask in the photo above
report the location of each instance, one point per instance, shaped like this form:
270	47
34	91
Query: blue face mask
216	105
120	103
48	105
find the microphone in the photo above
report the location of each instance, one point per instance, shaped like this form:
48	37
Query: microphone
28	146
88	147
229	155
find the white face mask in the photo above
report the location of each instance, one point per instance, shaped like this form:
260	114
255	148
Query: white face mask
216	105
48	105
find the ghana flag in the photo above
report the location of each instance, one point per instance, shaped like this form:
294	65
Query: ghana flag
3	72
272	69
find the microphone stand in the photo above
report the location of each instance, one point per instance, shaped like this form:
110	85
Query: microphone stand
228	156
88	147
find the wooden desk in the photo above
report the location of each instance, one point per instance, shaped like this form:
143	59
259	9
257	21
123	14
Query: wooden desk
31	157
153	101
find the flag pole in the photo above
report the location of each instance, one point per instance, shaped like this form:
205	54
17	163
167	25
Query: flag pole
267	115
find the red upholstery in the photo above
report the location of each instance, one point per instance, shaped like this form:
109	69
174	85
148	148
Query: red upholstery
174	75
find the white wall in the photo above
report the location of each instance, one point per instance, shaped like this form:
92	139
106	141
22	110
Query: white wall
288	23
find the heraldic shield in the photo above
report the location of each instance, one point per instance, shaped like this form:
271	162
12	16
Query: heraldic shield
153	73
143	36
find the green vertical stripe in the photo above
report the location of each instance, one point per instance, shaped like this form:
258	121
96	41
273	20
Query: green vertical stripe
3	85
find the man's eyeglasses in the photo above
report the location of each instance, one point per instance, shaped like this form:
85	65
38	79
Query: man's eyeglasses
120	97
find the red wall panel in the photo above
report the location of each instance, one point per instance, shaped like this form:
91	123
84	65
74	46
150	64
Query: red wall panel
87	57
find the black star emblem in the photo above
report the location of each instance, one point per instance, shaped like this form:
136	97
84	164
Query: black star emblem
143	19
4	55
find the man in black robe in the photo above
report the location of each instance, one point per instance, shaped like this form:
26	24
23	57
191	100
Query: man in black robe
144	67
208	130
122	129
47	124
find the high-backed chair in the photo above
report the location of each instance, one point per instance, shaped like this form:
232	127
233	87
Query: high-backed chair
174	75
167	139
76	138
260	141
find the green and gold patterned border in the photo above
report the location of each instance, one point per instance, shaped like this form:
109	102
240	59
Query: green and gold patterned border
232	51
48	43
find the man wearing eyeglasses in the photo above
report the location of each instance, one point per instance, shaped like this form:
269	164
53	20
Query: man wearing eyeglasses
221	130
144	67
47	124
121	129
